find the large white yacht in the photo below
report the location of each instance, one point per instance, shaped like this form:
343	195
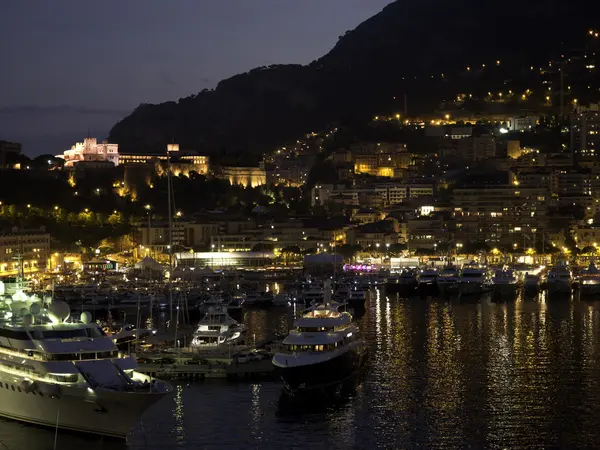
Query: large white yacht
217	328
559	280
322	352
589	281
67	374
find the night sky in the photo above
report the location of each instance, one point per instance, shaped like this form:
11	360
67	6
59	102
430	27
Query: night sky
70	65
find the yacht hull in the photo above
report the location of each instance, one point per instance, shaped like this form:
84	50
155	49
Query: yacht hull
323	375
558	287
475	288
102	413
589	290
505	291
447	288
428	287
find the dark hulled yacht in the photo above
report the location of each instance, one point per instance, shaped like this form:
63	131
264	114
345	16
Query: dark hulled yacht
321	352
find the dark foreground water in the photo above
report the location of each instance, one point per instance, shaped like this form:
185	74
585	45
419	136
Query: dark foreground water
442	375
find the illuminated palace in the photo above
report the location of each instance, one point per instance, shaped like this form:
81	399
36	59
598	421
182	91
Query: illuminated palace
90	152
23	251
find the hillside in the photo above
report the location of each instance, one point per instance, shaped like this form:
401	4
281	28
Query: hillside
418	48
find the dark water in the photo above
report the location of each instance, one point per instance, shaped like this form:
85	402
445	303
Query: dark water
442	375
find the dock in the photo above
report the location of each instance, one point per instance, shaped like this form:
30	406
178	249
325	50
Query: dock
231	370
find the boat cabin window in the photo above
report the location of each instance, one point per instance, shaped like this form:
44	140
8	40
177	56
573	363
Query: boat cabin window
66	378
81	356
314	329
72	333
312	348
14	334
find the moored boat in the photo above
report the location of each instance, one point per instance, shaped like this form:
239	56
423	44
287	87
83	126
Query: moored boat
322	352
447	280
505	284
559	280
67	374
589	281
474	280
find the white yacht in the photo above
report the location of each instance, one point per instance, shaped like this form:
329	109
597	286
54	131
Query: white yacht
559	280
473	280
589	281
447	280
67	374
322	352
217	328
505	283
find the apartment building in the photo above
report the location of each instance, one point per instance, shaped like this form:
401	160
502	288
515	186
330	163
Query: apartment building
500	214
24	251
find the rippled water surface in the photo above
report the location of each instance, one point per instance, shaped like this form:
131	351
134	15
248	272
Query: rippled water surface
442	375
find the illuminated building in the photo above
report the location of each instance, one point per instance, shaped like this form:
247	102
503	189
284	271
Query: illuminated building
500	214
523	123
23	251
381	159
90	151
376	195
155	236
585	133
182	162
277	236
245	176
230	260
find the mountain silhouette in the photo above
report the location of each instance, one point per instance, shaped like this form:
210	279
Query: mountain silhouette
420	49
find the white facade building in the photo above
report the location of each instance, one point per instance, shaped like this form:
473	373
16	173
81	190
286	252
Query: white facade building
91	151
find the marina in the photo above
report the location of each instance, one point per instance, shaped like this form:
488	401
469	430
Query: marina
397	329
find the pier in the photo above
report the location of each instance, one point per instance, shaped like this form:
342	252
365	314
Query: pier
215	369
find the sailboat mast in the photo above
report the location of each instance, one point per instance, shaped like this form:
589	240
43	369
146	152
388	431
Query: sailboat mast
170	148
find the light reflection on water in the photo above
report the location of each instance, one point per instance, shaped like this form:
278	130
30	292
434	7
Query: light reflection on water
442	374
